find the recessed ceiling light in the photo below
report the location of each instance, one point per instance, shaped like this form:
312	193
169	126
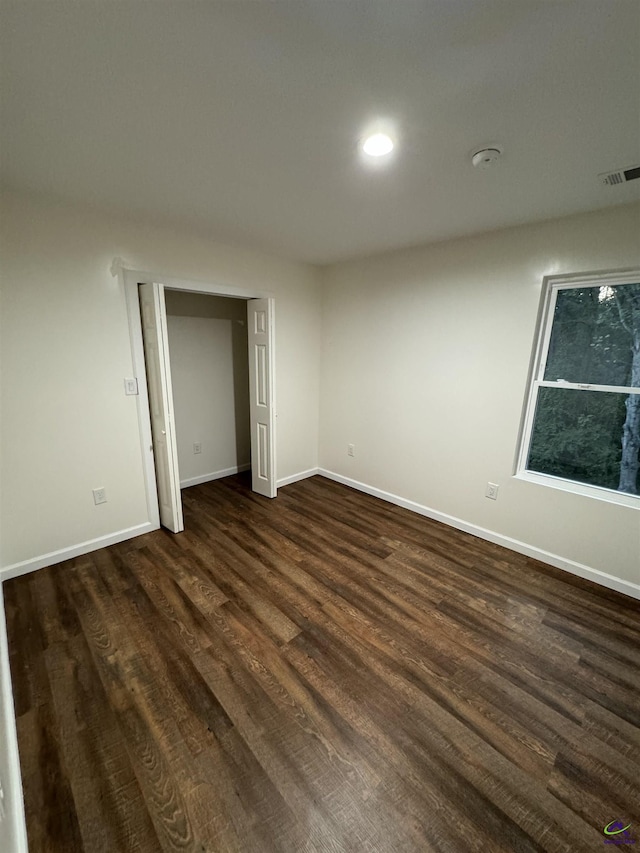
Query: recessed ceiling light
377	145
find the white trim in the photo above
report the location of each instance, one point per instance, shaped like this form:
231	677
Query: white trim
301	475
551	298
575	488
129	278
550	289
273	397
628	275
595	575
214	475
163	426
16	827
584	386
142	398
129	275
72	551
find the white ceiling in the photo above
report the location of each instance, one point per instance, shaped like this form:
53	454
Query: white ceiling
241	119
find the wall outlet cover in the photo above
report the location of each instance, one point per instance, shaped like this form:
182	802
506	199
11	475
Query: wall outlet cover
492	491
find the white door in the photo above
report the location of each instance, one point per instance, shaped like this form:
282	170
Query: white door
165	451
261	389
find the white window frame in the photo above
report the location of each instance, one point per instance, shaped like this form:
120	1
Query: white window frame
551	286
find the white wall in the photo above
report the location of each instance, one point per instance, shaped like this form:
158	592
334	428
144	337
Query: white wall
13	838
67	426
425	360
414	344
210	376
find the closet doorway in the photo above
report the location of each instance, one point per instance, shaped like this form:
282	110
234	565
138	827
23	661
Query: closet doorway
168	439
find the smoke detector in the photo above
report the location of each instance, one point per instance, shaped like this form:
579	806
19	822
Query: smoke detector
486	157
620	176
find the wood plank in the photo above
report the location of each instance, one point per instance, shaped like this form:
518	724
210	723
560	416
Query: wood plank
321	672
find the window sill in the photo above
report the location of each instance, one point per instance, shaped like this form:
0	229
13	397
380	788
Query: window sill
608	495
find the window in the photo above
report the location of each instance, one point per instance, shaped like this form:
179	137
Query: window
583	419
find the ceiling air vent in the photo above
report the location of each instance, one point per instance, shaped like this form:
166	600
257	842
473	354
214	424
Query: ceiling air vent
620	176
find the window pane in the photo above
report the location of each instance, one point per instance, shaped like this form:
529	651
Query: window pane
593	336
587	436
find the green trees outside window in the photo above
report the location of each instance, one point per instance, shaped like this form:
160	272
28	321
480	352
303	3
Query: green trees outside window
586	424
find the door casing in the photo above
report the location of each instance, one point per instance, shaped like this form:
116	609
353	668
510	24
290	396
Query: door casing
129	279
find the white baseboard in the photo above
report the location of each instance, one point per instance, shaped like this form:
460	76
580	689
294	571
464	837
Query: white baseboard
301	475
227	472
214	475
54	557
13	829
595	575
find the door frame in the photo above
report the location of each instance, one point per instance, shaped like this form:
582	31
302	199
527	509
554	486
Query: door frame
129	279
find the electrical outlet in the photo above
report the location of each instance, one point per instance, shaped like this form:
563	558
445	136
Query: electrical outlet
492	491
351	450
130	387
197	447
100	496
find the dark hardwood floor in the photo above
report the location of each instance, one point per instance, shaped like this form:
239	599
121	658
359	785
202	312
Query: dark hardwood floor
322	672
